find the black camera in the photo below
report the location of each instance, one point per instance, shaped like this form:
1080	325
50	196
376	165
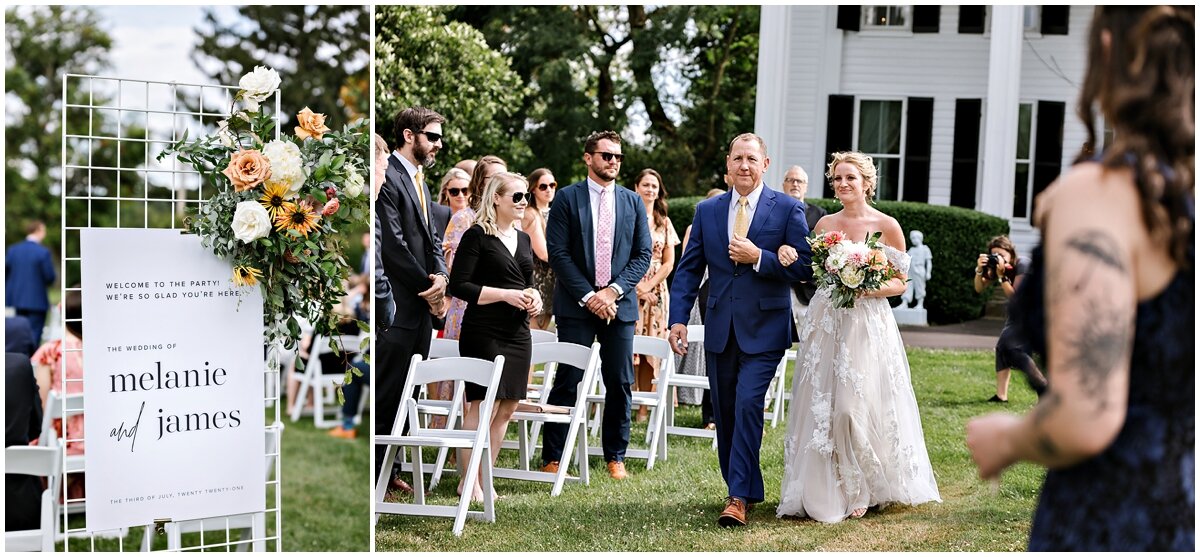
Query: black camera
993	261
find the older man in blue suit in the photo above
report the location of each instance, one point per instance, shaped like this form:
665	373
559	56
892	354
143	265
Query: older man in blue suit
749	324
28	272
598	240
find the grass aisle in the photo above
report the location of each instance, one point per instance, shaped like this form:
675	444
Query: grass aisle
675	506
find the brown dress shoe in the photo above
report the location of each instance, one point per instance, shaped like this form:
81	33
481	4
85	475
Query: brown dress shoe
616	470
401	485
343	433
734	513
551	468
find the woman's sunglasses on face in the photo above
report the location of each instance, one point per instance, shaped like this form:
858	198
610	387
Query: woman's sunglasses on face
519	196
455	192
550	186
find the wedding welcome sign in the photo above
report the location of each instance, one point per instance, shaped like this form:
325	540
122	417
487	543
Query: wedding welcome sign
173	381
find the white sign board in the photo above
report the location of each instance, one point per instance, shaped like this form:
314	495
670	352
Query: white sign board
173	381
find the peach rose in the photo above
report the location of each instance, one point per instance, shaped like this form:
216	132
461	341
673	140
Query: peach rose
331	207
877	260
311	124
247	169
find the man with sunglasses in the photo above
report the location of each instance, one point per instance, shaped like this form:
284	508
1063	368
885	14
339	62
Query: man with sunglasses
412	259
599	246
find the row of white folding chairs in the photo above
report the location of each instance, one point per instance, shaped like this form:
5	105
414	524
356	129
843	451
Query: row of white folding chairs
419	436
322	384
43	462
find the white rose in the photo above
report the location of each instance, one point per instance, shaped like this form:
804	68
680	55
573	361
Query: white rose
354	182
259	84
287	168
851	277
250	222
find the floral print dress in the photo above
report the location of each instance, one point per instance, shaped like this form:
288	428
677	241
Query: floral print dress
652	315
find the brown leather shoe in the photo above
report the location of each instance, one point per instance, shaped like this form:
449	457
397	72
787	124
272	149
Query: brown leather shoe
343	433
401	485
616	470
551	468
734	513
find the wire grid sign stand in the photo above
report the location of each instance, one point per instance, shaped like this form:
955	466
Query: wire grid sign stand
112	131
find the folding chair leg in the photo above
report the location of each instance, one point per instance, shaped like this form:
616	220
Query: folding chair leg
523	445
418	466
464	500
381	483
301	396
489	505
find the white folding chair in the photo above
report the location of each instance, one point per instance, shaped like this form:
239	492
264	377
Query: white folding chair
43	462
422	373
323	384
66	407
777	393
657	400
251	527
588	360
427	407
674	379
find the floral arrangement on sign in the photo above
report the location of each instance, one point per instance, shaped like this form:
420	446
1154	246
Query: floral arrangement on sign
278	207
850	268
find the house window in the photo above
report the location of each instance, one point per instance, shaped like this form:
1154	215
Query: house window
1023	184
880	132
886	17
1033	18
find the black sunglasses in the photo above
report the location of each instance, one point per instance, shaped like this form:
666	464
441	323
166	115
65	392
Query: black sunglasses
550	186
434	137
608	157
522	195
455	192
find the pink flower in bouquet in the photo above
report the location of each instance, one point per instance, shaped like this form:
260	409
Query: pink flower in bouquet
331	207
833	237
877	260
857	259
247	169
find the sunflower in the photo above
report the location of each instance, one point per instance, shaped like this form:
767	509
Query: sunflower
245	275
274	199
300	217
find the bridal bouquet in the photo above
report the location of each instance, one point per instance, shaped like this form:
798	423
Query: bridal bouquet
279	204
850	268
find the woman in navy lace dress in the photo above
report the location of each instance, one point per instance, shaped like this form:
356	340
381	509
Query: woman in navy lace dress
1111	303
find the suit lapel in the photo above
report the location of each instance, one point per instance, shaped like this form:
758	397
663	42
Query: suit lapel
722	216
621	214
408	188
584	205
766	202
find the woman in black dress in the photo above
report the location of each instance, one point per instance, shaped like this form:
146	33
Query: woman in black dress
493	273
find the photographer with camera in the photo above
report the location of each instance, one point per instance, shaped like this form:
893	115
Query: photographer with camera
1002	265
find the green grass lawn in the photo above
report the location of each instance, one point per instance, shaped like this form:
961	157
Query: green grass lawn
326	496
674	507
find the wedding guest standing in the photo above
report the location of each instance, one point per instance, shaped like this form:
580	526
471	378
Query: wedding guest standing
414	265
1110	300
22	424
652	289
542	186
453	191
28	272
599	248
493	272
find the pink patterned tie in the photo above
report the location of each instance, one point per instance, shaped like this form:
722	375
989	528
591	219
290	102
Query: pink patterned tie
604	239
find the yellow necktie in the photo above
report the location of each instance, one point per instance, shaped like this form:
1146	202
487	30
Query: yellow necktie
420	179
741	220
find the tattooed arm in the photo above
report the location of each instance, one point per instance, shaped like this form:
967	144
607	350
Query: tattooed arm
1092	231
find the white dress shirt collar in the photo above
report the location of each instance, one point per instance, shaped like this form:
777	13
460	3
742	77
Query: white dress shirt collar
408	166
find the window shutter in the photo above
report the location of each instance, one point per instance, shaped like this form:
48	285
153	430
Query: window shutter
918	146
848	17
925	19
839	125
971	19
965	167
1047	156
1055	20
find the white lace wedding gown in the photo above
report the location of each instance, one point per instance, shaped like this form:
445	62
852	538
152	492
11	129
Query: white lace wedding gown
854	436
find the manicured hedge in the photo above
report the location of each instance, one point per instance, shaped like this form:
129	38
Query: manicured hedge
956	237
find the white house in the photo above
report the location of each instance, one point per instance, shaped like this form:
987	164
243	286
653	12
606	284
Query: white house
972	106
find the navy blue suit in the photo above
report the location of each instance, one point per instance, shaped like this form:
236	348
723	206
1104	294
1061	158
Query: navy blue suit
748	325
28	272
571	246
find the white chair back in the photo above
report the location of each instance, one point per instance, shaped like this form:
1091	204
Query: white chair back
695	333
43	462
539	336
443	348
58	406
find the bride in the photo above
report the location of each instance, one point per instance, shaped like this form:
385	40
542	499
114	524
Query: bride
854	436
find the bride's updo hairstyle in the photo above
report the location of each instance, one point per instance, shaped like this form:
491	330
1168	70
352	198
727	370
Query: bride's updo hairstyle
864	164
486	217
1144	83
